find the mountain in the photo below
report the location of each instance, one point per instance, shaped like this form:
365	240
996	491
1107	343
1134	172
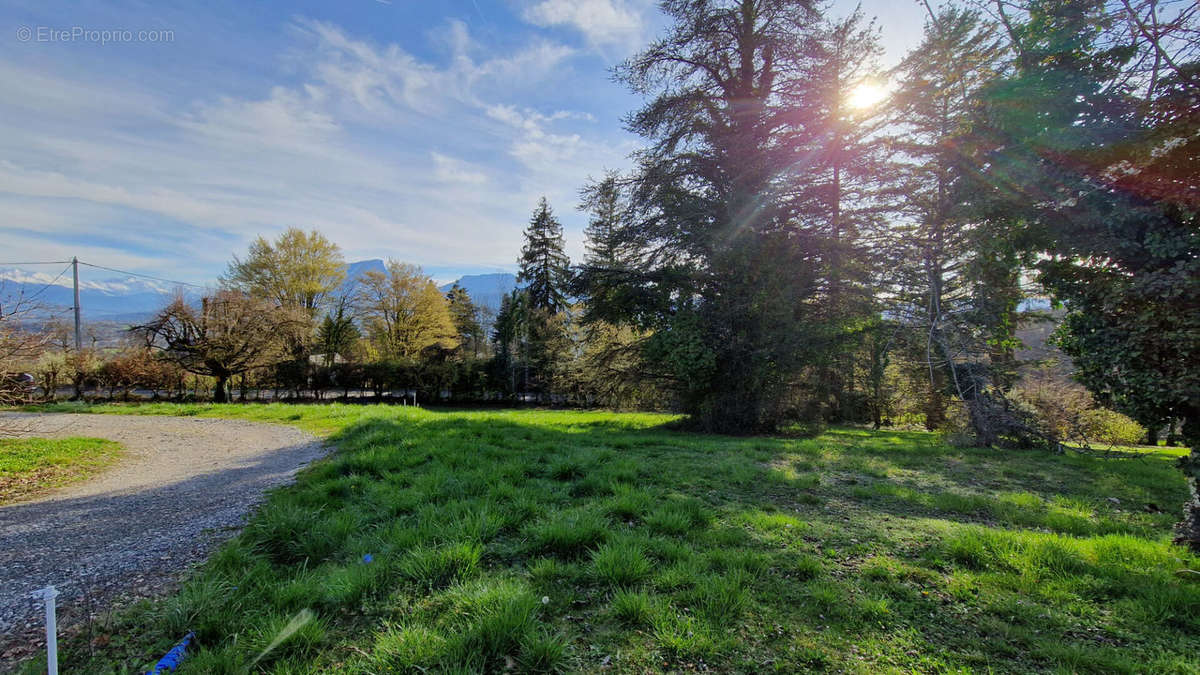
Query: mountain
355	272
120	299
128	299
486	289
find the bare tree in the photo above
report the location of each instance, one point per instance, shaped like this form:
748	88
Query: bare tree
229	334
21	342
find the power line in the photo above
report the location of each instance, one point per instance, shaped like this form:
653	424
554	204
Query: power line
52	282
49	262
144	276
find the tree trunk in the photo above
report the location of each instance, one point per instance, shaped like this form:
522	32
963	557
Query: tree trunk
219	395
935	403
1188	530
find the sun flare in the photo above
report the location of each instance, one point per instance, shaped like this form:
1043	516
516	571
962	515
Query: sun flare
866	95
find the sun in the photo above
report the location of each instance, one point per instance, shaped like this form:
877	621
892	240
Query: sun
866	94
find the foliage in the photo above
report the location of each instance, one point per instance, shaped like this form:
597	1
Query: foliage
722	260
1084	170
405	313
610	256
1110	426
472	340
298	270
545	268
337	335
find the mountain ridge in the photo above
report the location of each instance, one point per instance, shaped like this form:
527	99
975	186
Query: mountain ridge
132	299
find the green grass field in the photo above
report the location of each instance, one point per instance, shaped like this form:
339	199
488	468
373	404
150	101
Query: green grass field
580	541
31	466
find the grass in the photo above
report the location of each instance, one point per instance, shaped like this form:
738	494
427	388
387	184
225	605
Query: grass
538	541
31	466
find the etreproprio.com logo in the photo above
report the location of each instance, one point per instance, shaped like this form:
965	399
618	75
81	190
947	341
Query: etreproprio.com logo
102	36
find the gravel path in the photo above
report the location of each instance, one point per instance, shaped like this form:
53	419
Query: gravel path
183	486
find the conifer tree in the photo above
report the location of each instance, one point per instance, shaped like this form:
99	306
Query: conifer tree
466	320
939	247
725	281
840	194
601	281
545	267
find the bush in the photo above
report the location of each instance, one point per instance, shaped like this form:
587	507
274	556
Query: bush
956	430
1056	402
1109	426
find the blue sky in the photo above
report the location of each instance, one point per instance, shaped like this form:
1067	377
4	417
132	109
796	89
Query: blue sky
422	130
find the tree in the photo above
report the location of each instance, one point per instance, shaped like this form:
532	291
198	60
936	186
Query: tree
337	334
298	270
545	268
507	334
20	345
939	80
404	312
611	257
229	334
1100	176
466	320
725	278
839	195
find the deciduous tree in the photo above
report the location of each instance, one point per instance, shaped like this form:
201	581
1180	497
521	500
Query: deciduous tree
228	334
404	312
298	270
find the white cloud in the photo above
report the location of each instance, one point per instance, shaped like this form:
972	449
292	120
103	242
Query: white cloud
389	154
453	170
602	22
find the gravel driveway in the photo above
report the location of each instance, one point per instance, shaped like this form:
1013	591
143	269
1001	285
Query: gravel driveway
183	485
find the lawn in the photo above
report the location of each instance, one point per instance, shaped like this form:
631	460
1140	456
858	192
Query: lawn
469	541
30	466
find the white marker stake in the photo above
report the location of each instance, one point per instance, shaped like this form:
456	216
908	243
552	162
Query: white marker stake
48	594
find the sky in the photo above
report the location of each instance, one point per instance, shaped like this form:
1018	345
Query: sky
162	137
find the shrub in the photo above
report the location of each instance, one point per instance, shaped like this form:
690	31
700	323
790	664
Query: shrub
1109	426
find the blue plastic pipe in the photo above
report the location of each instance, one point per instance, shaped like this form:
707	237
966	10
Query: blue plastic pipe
172	659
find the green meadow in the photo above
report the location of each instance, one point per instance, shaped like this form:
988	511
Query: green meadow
567	541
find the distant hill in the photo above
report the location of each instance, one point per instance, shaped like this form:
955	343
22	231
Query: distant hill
131	299
119	299
355	271
486	289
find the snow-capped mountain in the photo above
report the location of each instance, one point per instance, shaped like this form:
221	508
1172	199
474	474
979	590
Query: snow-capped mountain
122	298
128	299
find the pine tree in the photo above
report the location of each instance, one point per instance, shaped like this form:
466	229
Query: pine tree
839	196
545	267
939	252
506	336
727	275
337	334
603	281
466	320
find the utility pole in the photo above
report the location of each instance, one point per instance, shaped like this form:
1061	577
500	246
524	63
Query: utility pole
78	334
